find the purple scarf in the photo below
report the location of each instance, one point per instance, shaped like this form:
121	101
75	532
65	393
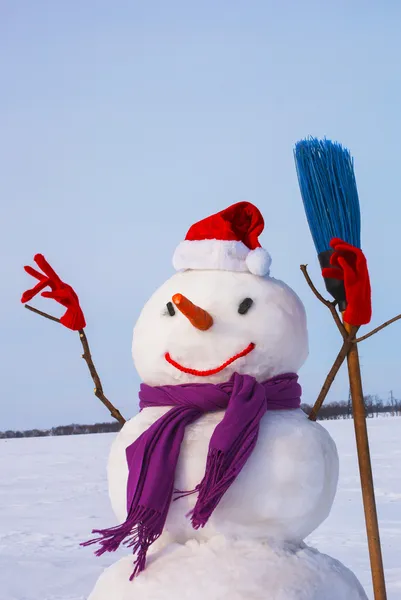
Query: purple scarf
152	458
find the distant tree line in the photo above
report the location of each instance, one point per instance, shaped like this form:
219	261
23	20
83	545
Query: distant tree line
63	430
374	406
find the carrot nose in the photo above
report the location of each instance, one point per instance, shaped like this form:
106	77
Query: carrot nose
199	317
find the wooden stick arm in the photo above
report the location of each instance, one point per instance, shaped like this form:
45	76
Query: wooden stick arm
98	391
349	340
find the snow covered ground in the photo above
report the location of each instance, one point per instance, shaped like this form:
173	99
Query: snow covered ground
53	492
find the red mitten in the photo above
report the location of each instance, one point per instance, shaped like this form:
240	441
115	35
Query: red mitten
61	292
349	264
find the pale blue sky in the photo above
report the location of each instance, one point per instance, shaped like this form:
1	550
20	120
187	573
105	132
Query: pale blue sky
124	122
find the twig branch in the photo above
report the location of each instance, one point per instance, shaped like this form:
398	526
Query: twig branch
96	379
386	324
330	305
42	314
92	369
349	339
341	356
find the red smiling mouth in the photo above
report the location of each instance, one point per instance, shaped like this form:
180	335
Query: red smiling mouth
209	371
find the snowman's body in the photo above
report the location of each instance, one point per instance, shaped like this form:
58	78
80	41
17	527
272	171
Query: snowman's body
252	545
222	569
297	468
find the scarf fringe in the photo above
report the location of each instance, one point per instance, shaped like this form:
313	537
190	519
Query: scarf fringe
142	527
183	494
216	482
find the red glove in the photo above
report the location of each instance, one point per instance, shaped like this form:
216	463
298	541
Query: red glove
61	292
349	264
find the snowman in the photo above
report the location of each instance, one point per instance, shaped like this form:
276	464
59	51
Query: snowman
220	477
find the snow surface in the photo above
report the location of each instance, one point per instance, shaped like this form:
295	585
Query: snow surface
53	491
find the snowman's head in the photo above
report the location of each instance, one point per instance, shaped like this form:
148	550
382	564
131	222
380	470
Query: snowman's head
222	313
202	326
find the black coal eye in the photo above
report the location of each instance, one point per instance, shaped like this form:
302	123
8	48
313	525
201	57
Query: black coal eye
245	306
170	309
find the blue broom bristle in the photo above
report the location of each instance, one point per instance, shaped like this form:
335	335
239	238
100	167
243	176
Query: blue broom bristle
328	188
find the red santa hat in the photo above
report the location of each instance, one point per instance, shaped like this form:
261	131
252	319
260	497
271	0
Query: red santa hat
226	241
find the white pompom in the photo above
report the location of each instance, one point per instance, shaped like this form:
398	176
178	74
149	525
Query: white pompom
258	262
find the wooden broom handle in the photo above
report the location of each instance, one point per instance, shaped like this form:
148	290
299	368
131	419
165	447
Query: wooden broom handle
365	471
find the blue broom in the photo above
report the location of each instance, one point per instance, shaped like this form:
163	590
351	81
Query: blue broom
328	188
